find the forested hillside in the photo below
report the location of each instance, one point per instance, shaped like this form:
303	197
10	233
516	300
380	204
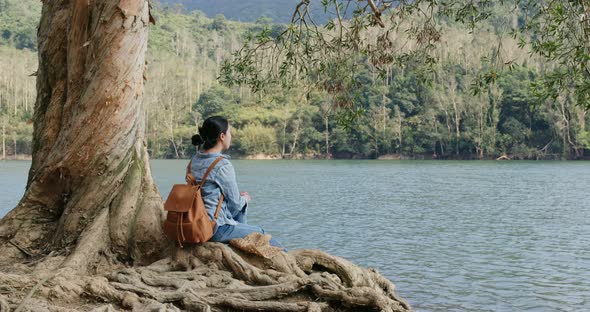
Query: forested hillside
280	11
399	116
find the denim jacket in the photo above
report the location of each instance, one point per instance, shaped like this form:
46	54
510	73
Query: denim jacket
222	179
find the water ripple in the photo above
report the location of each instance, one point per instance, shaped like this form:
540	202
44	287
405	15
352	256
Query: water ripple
453	236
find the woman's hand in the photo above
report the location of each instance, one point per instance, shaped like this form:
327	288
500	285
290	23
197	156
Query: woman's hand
246	196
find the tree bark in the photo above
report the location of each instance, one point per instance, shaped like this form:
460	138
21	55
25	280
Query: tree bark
215	277
284	145
457	121
90	177
91	208
327	134
295	137
4	138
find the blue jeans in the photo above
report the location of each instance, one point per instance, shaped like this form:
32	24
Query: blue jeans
227	232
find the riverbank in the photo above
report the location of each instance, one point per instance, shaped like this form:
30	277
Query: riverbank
352	156
542	205
17	157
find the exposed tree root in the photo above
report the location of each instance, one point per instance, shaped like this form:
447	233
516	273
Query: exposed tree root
91	206
3	304
208	277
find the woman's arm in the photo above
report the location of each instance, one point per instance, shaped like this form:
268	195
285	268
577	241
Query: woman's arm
226	178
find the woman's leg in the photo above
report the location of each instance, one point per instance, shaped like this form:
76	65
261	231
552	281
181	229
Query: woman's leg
225	233
241	217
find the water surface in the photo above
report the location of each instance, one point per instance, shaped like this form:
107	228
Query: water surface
453	236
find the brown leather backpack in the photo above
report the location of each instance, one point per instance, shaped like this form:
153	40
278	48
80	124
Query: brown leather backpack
187	220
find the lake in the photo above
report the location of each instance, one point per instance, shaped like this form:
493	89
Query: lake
452	235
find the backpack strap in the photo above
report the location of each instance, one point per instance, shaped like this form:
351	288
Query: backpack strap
204	178
203	182
190	179
218	208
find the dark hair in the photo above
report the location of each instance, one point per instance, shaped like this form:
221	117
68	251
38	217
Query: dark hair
212	128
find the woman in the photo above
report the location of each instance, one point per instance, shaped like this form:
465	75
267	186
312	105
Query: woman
215	138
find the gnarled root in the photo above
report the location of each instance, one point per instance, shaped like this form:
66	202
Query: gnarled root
216	277
4	307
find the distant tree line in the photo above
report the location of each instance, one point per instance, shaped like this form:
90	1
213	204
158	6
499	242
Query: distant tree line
396	114
279	11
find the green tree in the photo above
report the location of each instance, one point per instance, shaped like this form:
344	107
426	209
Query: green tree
219	100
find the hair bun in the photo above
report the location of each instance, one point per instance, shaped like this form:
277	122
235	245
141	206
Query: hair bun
197	140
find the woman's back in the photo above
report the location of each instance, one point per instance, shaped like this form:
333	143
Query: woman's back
215	137
220	180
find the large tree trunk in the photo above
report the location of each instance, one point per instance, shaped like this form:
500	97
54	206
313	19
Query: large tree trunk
90	178
91	209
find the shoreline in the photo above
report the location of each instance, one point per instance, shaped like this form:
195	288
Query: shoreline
350	156
18	157
341	159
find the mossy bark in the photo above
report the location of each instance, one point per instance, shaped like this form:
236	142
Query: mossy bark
90	178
